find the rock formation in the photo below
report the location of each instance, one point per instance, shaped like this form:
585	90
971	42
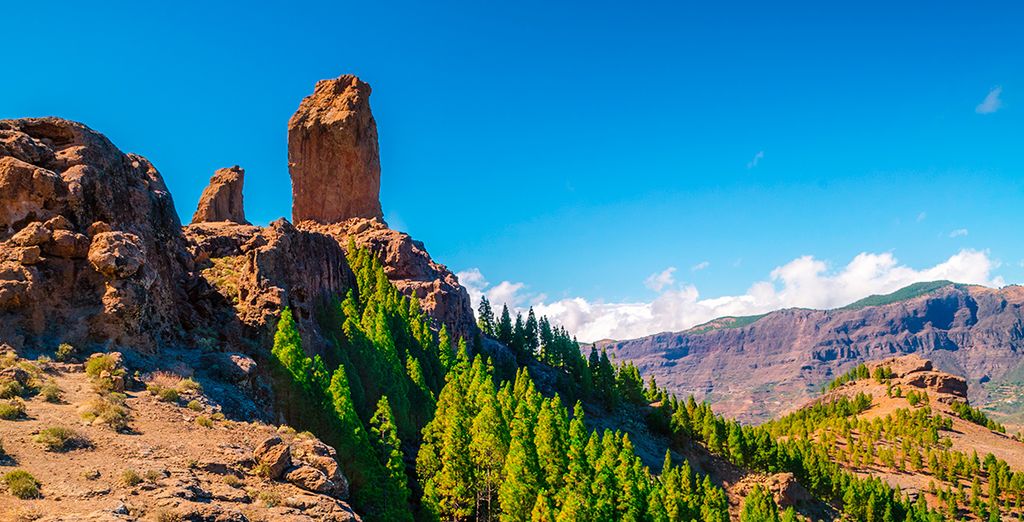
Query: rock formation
332	154
222	199
91	244
758	370
410	268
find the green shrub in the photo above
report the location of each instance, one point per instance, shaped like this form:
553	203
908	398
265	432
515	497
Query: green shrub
10	388
130	478
108	410
190	386
233	481
12	409
22	484
65	352
102	370
59	438
204	421
218	416
167	516
195	405
50	392
269	498
153	475
168	395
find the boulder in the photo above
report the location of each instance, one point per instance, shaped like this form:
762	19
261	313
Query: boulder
233	367
116	255
275	455
222	199
333	155
32	235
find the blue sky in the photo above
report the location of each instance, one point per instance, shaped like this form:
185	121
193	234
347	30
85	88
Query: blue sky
573	150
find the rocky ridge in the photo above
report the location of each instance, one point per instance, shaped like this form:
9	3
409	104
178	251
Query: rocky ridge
757	370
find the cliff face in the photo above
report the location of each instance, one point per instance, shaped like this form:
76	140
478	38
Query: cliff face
760	370
91	244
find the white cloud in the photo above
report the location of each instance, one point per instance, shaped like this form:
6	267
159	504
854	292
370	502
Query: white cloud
922	216
991	103
960	232
700	266
757	159
661	280
804	282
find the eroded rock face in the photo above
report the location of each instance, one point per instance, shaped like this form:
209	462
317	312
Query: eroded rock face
333	155
410	268
222	198
264	270
61	185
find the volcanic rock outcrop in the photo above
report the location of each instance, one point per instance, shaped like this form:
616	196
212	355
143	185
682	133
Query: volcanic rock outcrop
222	199
759	368
91	245
333	155
410	268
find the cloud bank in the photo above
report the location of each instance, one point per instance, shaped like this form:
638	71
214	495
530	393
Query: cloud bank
804	282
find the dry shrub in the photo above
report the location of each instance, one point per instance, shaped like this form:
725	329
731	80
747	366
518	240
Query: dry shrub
108	410
22	484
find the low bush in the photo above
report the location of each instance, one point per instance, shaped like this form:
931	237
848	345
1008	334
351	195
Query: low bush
59	439
22	484
65	352
108	410
10	388
269	498
103	370
131	478
12	409
168	395
50	392
195	405
204	421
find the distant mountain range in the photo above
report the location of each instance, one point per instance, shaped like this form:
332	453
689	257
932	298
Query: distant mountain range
757	367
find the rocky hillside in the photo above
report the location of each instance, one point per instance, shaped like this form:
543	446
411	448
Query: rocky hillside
94	260
757	368
173	444
912	426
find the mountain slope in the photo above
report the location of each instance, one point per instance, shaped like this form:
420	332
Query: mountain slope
758	370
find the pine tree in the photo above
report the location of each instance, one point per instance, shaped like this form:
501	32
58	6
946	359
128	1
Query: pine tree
504	328
389	454
576	496
288	352
521	484
759	506
543	510
550	439
531	332
485	320
489	441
